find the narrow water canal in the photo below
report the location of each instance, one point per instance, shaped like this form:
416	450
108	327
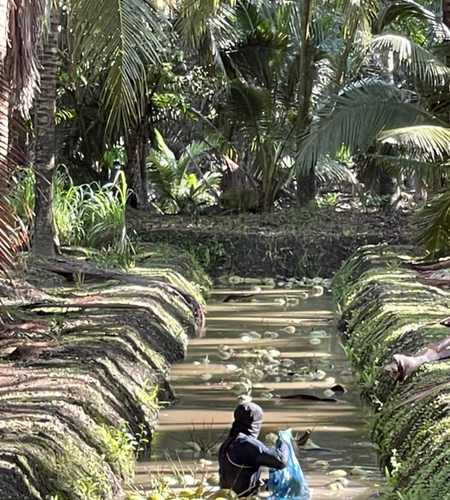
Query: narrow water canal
277	344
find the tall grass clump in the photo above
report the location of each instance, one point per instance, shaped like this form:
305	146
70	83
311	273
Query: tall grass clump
88	215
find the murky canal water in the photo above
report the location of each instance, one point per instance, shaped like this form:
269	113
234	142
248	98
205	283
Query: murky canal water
274	345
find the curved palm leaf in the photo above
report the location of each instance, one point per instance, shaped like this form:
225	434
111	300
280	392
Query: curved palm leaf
329	171
430	142
126	37
21	27
434	225
417	61
409	8
26	26
355	118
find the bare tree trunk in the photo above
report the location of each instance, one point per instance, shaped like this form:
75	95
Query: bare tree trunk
143	153
4	83
136	170
306	181
45	144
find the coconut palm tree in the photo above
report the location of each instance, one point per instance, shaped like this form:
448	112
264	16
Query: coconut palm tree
45	143
282	60
120	40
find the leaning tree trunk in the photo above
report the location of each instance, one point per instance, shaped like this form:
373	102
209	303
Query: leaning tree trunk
45	143
306	181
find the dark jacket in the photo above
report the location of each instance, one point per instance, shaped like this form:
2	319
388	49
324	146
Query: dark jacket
242	455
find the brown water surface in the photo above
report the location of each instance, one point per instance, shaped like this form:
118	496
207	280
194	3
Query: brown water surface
195	426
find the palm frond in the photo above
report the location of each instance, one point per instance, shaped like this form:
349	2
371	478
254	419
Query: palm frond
196	17
426	142
330	171
434	225
26	27
248	103
400	9
126	37
415	60
355	118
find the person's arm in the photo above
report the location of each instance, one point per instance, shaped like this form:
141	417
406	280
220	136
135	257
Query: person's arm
273	457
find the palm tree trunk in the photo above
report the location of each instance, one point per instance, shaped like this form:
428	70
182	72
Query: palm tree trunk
45	143
4	83
136	170
446	12
306	181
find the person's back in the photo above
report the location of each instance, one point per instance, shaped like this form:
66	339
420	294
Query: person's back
242	455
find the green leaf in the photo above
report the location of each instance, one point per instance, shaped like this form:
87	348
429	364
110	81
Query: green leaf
415	60
355	118
429	142
126	37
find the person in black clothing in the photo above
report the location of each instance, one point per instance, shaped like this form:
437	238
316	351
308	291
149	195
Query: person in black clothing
242	455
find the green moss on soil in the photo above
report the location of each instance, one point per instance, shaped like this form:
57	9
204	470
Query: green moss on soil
388	311
301	243
73	413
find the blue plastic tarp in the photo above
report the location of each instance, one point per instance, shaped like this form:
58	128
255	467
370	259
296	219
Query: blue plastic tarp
288	483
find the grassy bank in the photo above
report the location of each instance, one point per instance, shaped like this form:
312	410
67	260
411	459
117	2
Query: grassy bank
84	367
301	243
386	310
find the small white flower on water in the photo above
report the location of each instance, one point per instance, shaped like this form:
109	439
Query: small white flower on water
336	486
189	480
271	335
290	329
318	333
317	291
322	464
338	473
232	368
317	375
169	480
358	471
287	363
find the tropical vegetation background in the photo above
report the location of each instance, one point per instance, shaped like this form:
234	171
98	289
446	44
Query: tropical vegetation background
200	107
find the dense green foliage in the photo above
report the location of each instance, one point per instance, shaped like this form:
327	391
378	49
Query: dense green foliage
387	312
262	95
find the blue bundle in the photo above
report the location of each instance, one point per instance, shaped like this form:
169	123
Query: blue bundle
288	483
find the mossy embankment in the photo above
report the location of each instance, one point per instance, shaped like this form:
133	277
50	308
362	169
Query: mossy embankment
387	310
83	366
301	243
